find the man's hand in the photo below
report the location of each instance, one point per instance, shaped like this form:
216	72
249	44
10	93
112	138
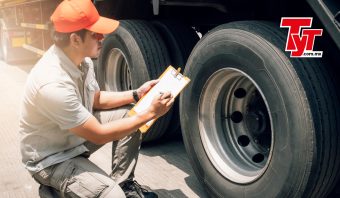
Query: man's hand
142	90
161	104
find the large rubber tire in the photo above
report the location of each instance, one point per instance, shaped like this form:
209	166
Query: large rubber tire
255	122
132	55
179	39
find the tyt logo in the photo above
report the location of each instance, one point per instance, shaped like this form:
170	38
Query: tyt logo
301	44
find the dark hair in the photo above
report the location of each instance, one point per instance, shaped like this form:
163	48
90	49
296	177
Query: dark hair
62	40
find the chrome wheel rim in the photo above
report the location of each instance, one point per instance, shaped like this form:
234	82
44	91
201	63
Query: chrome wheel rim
117	75
235	125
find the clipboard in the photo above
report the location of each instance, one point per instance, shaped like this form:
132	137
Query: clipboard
170	80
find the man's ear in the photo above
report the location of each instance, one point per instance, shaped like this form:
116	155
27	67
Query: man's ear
75	40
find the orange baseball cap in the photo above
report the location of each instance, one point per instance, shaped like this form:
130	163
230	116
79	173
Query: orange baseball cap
74	15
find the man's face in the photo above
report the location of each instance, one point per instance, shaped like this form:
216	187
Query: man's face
92	44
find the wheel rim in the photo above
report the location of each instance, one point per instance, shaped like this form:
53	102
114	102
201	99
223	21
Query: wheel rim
117	75
235	126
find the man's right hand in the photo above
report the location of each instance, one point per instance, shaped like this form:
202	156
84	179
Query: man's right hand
161	104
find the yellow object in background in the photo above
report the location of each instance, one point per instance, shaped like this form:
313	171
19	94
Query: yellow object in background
19	41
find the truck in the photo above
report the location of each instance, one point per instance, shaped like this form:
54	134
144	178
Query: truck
260	117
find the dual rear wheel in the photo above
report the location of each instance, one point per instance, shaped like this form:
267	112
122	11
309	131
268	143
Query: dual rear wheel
255	122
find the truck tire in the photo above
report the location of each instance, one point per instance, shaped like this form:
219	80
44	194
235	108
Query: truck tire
179	40
130	56
255	122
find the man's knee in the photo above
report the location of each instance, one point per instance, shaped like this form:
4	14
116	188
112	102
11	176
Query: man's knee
87	180
77	177
107	190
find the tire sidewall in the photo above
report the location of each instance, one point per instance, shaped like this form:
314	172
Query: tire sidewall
133	57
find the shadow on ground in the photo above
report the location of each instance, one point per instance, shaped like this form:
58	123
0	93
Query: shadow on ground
171	193
173	151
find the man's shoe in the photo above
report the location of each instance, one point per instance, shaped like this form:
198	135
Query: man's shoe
134	190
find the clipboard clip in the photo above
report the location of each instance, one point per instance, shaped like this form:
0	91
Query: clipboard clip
176	72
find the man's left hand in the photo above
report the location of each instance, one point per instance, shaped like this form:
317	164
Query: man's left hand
142	90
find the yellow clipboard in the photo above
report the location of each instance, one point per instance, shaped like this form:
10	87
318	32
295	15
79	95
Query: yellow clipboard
170	80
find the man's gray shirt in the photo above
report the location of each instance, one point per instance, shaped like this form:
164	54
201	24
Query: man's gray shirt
58	96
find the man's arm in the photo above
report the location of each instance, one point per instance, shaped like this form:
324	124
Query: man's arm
98	133
110	100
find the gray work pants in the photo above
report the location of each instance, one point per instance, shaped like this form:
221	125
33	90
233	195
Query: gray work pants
79	177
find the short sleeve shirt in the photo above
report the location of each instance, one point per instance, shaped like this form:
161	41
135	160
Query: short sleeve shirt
58	96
